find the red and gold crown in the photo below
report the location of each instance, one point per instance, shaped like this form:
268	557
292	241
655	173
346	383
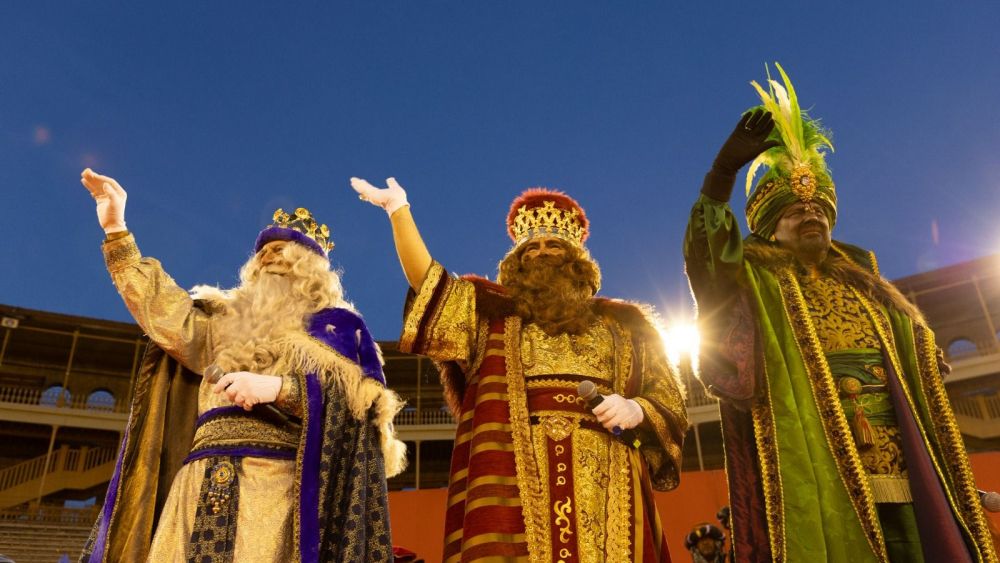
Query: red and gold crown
541	212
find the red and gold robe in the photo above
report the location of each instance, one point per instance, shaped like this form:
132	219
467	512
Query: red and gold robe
534	476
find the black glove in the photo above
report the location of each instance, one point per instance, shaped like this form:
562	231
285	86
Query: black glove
748	140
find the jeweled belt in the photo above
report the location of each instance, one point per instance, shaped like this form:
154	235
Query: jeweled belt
233	431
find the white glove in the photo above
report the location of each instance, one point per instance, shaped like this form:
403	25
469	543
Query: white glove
248	389
391	199
616	410
110	199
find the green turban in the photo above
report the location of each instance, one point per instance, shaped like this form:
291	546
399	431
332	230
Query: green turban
796	169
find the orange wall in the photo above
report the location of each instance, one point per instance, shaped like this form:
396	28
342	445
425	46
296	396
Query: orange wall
418	516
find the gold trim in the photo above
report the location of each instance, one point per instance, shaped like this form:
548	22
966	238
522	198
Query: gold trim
946	431
619	535
890	489
418	308
575	415
622	358
656	421
121	253
835	428
871	256
882	326
602	387
765	435
483	337
532	505
289	397
297	481
951	441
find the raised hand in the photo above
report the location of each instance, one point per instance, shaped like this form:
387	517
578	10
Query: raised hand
390	199
748	140
110	198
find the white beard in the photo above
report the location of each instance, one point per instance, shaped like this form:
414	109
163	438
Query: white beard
253	319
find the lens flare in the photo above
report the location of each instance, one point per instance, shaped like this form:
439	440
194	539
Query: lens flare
681	341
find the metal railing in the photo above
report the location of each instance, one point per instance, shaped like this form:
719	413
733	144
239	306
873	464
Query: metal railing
696	397
982	407
412	417
39	398
63	459
47	514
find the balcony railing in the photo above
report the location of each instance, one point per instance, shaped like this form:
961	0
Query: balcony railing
62	459
696	397
34	397
410	417
983	407
52	515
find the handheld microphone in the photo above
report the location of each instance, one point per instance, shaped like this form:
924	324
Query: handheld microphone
587	391
214	373
990	500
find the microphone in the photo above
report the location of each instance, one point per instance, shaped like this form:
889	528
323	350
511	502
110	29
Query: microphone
588	392
990	500
268	411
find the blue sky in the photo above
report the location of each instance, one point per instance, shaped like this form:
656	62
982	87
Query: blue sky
211	115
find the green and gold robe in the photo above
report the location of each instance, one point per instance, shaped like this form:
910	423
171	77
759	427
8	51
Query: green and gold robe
800	487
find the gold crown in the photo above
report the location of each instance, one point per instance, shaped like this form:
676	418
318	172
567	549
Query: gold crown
548	220
303	222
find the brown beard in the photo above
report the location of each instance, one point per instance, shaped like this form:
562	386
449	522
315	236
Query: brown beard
554	292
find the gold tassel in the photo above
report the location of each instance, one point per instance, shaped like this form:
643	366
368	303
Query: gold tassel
864	434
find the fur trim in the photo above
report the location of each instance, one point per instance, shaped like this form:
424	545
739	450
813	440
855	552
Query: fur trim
840	268
393	450
210	298
305	353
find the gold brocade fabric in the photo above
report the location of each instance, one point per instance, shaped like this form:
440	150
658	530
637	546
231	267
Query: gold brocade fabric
839	318
591	461
842	323
886	456
164	310
579	489
263	526
588	354
168	315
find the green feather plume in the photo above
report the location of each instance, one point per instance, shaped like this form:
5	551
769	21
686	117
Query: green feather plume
802	139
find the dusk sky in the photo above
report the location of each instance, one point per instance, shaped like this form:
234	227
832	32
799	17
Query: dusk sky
213	114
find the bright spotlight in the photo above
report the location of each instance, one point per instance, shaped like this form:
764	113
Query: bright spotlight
680	341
